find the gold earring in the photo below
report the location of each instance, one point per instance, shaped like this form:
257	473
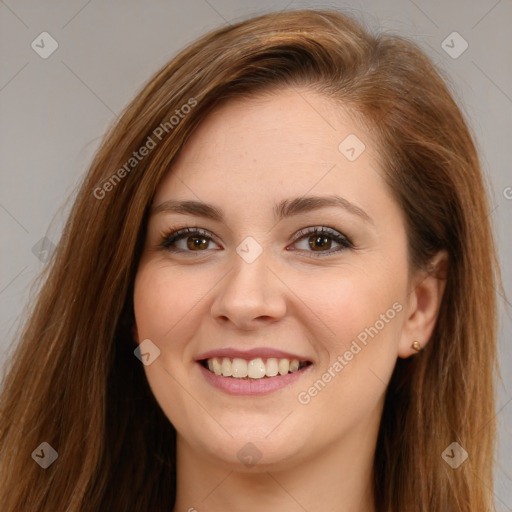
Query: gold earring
416	345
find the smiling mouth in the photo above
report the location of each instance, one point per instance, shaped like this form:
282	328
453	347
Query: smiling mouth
253	369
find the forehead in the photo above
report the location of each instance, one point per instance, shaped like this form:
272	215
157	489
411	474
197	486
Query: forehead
286	143
295	127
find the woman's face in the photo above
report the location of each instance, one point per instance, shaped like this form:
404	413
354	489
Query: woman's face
273	277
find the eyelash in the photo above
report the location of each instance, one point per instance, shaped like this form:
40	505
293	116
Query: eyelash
172	236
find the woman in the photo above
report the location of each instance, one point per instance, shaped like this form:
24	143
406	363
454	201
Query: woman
332	345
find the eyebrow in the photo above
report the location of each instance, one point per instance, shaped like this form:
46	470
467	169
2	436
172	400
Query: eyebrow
285	208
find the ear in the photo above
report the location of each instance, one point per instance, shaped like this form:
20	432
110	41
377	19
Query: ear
426	293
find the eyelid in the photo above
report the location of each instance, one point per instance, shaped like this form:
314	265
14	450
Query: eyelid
311	230
174	234
177	233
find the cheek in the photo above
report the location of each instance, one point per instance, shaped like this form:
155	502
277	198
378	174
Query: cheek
350	303
162	298
359	357
361	315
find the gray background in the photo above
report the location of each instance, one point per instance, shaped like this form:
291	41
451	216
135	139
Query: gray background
54	112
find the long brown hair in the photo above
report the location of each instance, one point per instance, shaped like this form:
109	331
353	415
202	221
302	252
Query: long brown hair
74	381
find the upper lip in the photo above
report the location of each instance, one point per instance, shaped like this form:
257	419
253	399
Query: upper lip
253	353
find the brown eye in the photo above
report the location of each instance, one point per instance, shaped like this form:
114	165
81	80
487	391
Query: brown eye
188	240
320	241
195	242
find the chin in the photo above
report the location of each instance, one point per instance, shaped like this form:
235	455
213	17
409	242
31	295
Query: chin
251	447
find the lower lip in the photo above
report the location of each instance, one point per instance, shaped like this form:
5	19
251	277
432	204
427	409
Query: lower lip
251	387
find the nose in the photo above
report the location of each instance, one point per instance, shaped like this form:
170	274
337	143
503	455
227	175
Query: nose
251	295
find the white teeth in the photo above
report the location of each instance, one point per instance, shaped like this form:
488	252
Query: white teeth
217	367
294	365
253	369
256	368
226	367
239	368
284	366
271	368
